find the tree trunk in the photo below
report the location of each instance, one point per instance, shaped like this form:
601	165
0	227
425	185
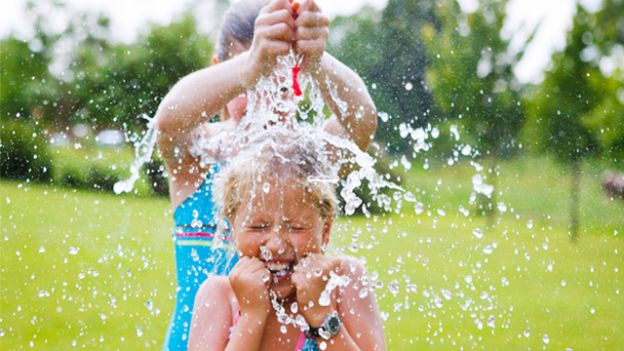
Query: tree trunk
574	199
490	211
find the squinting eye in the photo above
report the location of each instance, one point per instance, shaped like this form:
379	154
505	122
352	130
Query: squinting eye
284	89
258	227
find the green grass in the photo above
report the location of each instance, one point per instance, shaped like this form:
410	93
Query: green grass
95	271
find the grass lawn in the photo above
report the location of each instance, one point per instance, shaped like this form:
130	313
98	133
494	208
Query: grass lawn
90	270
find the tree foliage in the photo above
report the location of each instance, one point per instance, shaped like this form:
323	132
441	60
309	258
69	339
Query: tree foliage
389	55
471	74
116	83
26	82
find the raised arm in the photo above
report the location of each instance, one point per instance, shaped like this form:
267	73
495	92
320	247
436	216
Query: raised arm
202	94
346	95
353	112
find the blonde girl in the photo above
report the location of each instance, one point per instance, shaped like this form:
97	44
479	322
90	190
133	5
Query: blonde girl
281	208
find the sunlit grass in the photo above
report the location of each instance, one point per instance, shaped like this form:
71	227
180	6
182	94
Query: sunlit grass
96	271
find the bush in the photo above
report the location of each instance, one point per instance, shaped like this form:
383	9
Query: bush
72	177
155	172
101	178
96	177
23	153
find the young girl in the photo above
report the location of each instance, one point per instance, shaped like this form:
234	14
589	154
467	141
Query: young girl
281	209
254	33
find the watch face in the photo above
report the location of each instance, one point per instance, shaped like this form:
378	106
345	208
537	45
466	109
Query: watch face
334	325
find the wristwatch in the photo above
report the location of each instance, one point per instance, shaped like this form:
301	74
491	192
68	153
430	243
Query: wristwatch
329	328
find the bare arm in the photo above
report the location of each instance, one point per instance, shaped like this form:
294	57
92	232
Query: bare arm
212	316
354	112
212	320
343	90
362	328
203	93
362	325
199	96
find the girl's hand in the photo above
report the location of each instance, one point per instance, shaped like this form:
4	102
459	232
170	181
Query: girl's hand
273	35
310	282
249	280
312	30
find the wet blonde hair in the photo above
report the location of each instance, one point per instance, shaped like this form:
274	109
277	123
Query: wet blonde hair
279	155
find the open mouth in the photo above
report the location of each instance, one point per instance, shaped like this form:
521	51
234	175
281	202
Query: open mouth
280	271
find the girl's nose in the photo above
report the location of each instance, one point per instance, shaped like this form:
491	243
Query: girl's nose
277	244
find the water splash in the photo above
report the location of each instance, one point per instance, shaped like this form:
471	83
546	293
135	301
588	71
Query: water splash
143	151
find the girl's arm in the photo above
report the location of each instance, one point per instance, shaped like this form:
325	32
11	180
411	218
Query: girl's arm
354	118
212	316
362	328
343	90
201	94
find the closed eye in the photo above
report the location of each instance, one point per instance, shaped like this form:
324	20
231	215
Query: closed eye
298	228
258	226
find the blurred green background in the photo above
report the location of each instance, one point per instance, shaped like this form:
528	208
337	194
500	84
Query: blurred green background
536	264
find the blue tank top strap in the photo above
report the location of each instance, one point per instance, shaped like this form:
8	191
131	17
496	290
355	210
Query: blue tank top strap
198	210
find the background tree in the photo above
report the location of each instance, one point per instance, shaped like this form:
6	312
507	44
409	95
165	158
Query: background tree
561	104
24	74
605	47
471	78
390	56
116	83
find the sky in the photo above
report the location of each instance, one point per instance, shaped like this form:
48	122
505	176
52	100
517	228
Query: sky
129	17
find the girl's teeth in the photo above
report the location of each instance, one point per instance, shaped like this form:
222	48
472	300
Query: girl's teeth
277	266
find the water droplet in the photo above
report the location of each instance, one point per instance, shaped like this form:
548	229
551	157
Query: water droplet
530	224
466	150
545	339
139	332
488	249
266	187
363	292
502	208
73	250
527	332
491	322
478	233
393	286
283	329
409	86
419	208
265	253
478	323
323	345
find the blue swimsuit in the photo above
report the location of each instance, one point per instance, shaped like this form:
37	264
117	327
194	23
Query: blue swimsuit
197	256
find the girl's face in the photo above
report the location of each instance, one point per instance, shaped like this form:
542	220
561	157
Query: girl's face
280	226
